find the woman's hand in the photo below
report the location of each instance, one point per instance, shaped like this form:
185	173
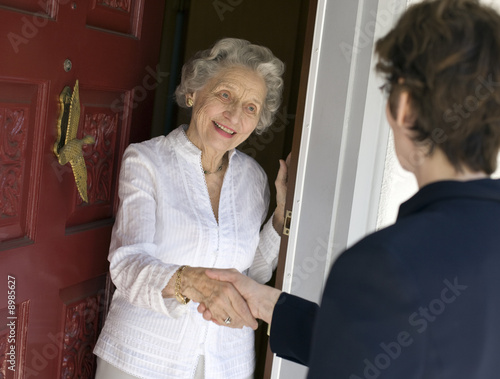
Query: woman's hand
221	297
260	298
281	186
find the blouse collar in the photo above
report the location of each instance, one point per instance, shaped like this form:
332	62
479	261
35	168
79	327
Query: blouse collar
186	148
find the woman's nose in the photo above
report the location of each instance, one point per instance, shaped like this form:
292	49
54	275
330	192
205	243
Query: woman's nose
233	113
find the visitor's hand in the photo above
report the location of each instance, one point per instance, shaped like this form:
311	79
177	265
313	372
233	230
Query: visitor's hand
260	298
281	183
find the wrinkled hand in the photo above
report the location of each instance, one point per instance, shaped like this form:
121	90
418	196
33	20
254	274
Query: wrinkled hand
220	297
281	183
260	298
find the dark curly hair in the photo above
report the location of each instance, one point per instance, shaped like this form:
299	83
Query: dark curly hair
446	55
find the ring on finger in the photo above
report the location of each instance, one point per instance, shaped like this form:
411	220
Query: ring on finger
227	321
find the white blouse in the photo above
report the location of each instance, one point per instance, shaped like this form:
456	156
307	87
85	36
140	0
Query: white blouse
165	220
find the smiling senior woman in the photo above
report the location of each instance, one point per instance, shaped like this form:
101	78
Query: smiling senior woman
189	201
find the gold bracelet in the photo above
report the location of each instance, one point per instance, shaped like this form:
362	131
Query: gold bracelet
180	297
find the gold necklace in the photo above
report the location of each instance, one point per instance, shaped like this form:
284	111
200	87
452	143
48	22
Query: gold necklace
206	172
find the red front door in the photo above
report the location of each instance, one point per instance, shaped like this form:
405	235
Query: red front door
53	246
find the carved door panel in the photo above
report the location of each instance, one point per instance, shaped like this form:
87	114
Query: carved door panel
53	246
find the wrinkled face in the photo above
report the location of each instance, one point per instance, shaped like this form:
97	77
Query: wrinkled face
227	109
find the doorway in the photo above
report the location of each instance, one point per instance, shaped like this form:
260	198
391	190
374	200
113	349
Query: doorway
280	25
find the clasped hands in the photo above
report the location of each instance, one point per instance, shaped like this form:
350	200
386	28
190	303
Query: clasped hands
226	296
238	297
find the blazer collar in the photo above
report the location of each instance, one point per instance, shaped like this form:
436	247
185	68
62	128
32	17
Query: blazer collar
484	189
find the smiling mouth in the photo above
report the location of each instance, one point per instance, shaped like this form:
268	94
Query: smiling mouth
224	129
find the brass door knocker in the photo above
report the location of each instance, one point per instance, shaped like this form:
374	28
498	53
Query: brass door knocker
67	147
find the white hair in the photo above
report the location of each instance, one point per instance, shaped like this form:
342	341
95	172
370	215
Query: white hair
231	52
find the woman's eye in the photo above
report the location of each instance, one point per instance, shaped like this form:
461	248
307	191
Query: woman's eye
224	95
251	109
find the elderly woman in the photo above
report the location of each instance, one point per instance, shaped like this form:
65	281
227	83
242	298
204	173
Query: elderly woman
419	299
191	201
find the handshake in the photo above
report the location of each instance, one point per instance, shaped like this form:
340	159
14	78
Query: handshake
230	298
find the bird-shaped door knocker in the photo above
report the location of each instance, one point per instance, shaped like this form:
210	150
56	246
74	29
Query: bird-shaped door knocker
68	148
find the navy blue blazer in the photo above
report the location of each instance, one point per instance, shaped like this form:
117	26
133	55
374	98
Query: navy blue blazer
419	299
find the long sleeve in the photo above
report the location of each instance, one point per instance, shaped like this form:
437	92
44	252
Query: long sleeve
135	269
266	256
292	328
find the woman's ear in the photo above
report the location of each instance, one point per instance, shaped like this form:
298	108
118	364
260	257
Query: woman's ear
190	99
404	116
